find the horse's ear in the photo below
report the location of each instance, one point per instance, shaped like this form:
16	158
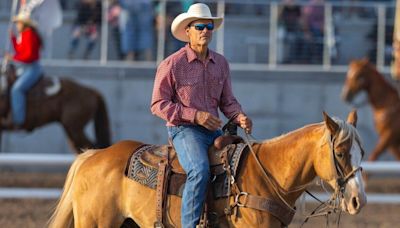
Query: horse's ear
352	118
332	126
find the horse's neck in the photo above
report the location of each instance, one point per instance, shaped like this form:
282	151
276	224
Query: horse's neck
289	158
380	93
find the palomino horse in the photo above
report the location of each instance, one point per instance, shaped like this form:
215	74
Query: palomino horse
73	107
97	193
385	102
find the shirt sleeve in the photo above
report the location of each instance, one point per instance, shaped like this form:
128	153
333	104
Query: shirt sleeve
24	51
162	102
228	103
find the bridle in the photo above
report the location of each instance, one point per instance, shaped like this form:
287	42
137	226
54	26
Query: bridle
332	205
341	177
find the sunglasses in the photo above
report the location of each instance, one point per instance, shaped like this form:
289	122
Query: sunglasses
201	27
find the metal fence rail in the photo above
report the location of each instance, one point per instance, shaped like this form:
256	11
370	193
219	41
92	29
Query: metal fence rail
36	159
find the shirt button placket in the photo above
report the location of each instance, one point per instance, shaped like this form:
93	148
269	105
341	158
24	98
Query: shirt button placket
205	86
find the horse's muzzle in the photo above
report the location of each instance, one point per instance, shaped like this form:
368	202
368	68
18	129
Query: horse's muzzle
346	95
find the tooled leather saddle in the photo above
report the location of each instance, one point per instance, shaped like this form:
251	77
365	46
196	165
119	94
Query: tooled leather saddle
157	167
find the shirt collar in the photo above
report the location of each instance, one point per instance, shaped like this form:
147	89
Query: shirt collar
191	55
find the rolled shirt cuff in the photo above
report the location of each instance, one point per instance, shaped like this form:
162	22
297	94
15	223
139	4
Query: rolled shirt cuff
188	114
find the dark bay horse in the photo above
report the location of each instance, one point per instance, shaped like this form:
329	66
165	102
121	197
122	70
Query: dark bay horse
73	106
385	102
98	194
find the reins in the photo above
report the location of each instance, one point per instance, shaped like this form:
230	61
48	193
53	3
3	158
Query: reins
267	176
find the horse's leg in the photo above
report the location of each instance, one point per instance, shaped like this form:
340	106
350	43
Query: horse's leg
78	139
81	218
87	217
382	144
74	118
395	150
110	221
109	218
129	223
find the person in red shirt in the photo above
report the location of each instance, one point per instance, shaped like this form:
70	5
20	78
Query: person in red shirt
27	45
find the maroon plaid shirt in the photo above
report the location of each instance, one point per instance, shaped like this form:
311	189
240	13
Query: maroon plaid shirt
185	84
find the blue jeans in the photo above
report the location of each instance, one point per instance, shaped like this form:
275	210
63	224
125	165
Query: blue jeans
31	75
191	144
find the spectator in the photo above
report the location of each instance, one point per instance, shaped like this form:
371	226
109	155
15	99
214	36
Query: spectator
313	30
63	4
137	29
87	23
114	13
289	18
172	10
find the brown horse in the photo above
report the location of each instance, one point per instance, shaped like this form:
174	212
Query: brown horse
98	194
73	106
385	102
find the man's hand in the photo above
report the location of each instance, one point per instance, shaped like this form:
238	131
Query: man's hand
207	120
8	56
245	123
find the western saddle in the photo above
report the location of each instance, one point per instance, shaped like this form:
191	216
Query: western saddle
158	167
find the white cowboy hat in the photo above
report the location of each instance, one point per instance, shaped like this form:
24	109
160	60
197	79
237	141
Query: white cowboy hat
195	12
24	17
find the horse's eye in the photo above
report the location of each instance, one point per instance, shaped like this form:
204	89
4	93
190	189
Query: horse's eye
339	155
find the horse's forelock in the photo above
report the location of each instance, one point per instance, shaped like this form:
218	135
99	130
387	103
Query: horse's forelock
347	132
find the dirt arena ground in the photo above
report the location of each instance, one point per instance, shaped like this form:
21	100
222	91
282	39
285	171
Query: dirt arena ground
34	213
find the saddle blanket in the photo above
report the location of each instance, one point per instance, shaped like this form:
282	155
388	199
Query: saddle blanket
145	174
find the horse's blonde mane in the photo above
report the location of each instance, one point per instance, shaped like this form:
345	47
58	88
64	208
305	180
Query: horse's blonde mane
347	131
285	135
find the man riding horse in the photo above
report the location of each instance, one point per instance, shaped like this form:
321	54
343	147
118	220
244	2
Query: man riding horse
27	47
189	87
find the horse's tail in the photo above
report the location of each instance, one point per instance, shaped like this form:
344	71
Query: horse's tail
63	215
102	125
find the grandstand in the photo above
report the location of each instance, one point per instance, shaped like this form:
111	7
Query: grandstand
280	96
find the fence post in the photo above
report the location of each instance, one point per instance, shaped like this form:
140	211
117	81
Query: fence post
161	32
221	31
328	36
104	33
273	31
380	43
